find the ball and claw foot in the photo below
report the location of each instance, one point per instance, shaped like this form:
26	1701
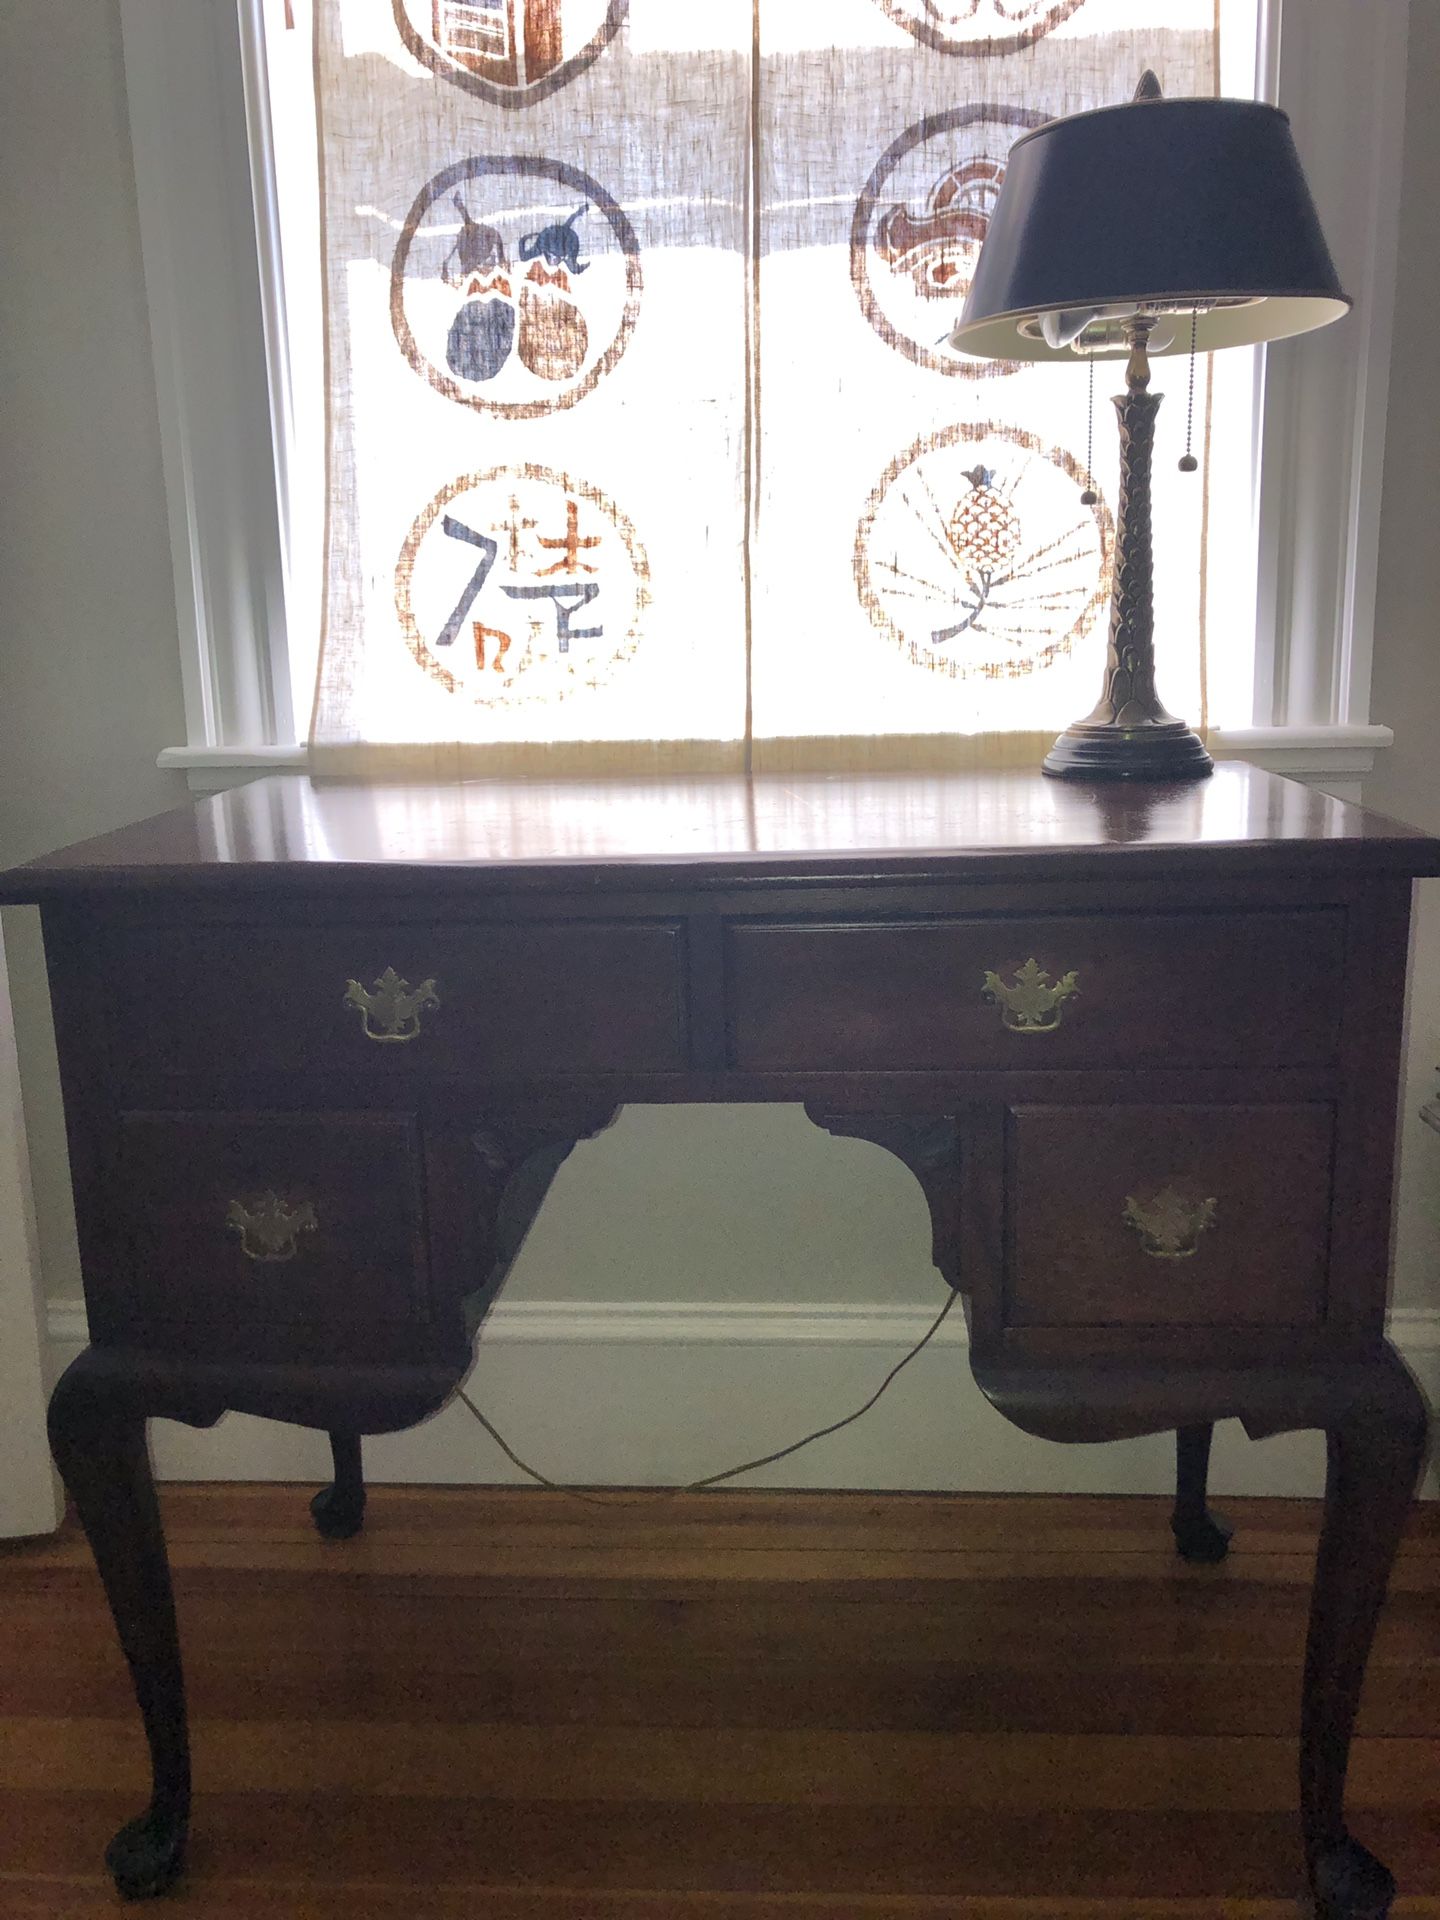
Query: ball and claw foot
338	1513
147	1855
1351	1884
1204	1541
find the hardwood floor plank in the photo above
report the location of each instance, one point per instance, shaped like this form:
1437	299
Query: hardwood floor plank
287	1840
465	1520
1252	1698
1088	1518
44	1899
1275	1559
806	1707
719	1766
1073	1625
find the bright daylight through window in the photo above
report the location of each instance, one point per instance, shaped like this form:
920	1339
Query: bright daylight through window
617	330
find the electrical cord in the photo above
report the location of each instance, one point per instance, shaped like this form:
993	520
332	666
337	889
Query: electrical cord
729	1473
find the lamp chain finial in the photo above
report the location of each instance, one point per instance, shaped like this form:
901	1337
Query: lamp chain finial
1089	496
1188	463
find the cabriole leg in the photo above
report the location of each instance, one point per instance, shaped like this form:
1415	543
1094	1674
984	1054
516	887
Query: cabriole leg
1374	1459
98	1439
339	1509
1199	1536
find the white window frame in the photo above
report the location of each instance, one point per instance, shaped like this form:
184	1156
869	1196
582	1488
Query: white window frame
209	233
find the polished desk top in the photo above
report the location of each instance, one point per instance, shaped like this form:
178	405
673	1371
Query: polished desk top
503	834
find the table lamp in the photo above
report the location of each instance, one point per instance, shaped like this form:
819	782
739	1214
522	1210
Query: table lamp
1163	226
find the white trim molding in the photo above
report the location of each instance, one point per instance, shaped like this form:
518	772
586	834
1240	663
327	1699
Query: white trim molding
623	1393
672	1323
1338	70
185	81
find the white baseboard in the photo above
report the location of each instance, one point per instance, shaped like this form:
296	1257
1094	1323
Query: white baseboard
618	1393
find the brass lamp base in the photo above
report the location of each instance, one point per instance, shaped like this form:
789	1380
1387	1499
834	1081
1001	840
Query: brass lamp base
1130	735
1112	752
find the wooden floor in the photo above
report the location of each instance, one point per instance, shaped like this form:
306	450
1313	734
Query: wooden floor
509	1706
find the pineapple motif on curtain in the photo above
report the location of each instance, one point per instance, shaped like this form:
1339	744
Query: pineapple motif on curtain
645	449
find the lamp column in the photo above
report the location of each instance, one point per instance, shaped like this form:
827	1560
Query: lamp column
1130	735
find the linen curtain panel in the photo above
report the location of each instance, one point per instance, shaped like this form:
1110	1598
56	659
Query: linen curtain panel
644	452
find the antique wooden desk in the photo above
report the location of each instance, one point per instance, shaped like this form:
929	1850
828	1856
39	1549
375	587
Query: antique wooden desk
323	1049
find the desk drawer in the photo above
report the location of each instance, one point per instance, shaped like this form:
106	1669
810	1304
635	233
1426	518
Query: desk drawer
272	1220
1167	1216
1164	990
403	1001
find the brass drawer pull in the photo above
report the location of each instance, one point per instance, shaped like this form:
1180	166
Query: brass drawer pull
390	1010
1169	1224
268	1229
1031	1005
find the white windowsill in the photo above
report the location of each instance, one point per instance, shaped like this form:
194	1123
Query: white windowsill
213	769
1312	754
1306	753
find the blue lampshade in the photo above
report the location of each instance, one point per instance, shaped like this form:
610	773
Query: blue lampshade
1162	206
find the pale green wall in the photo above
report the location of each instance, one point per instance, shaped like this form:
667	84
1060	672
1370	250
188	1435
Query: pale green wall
1407	625
729	1203
687	1203
1407	613
91	684
89	663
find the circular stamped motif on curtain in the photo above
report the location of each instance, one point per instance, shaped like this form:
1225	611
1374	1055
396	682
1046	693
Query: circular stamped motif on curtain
919	225
509	52
516	284
985	28
520	586
976	557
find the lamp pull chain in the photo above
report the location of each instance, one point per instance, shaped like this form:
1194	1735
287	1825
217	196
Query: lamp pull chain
1088	495
1188	462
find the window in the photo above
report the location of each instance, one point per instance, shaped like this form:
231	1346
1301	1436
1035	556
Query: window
1295	679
